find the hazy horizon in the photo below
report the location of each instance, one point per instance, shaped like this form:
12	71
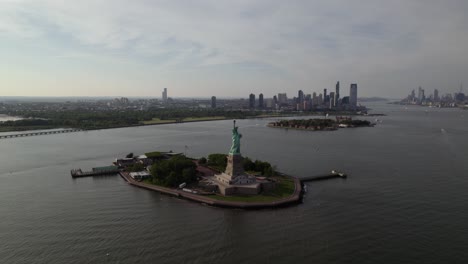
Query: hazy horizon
103	48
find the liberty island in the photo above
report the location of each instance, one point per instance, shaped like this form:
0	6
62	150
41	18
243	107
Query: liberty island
242	183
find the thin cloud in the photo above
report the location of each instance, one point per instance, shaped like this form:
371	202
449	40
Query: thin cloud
310	44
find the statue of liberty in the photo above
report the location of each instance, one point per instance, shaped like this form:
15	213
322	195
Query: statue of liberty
235	148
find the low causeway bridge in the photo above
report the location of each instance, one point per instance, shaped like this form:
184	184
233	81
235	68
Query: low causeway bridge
30	134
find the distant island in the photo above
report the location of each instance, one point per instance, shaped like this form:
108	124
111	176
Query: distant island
372	99
320	124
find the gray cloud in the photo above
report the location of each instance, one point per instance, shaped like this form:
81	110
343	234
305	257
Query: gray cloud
388	47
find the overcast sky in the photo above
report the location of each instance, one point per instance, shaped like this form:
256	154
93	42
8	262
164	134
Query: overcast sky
231	48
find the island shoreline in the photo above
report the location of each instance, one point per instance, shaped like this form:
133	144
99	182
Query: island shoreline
294	199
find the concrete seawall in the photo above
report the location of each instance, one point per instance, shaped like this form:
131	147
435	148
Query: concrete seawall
295	198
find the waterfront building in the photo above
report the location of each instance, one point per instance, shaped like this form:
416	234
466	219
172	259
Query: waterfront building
325	95
269	103
345	100
140	175
314	99
282	98
306	105
252	101
213	101
460	97
260	101
353	95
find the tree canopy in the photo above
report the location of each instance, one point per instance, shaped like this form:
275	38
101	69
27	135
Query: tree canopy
173	171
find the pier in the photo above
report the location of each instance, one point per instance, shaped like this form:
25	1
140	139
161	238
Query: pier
108	170
333	174
30	134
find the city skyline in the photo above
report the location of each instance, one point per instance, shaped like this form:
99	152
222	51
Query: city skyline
116	48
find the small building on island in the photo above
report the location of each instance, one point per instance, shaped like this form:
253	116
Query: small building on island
140	175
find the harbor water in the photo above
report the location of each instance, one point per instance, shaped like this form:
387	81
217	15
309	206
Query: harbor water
404	200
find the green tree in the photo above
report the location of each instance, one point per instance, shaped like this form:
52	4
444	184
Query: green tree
218	161
202	160
248	164
136	167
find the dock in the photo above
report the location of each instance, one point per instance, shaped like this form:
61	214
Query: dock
333	174
98	171
30	134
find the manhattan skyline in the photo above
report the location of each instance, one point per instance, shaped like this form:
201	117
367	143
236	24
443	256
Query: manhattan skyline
205	48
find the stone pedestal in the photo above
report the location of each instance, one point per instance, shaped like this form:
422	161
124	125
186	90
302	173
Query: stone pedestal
234	180
234	166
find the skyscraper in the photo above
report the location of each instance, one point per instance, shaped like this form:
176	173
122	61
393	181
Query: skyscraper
282	98
260	101
164	95
353	95
436	95
332	100
252	101
325	93
213	101
337	93
420	94
300	97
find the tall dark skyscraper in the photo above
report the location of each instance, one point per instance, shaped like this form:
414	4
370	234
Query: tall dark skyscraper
213	101
332	100
275	99
420	94
164	95
260	101
337	93
325	94
252	101
436	95
282	98
353	95
300	97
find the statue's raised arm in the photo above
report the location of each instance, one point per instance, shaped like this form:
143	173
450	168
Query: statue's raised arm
235	148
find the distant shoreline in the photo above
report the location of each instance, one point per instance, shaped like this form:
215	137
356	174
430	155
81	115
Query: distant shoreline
167	122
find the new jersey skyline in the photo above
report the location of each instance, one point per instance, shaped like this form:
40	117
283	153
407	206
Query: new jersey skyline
231	49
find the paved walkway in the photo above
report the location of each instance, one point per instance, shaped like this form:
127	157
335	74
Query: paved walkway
293	199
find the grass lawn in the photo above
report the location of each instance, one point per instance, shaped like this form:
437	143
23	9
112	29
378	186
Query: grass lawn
269	115
155	121
284	189
206	118
25	128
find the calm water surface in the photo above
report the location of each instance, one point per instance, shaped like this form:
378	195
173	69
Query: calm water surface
405	200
